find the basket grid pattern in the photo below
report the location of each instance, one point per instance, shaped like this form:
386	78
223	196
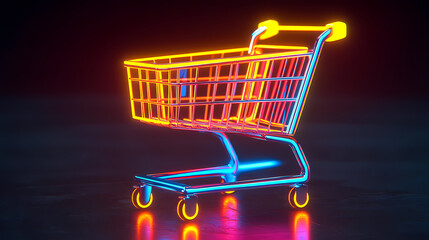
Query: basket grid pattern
249	96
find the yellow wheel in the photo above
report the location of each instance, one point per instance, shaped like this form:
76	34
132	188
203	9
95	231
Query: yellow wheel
298	201
227	192
138	200
187	214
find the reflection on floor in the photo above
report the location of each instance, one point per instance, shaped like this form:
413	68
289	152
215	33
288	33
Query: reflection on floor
301	227
191	232
230	215
144	225
68	166
229	222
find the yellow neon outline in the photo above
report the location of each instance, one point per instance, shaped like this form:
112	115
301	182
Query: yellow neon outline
131	91
296	204
167	66
141	97
152	121
280	47
142	205
191	54
191	93
338	29
231	50
302	28
161	91
301	205
290	192
186	215
148	95
132	199
178	209
137	203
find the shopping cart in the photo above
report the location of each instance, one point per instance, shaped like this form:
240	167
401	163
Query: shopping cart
258	91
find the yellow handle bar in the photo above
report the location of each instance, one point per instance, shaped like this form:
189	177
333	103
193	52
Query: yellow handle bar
338	29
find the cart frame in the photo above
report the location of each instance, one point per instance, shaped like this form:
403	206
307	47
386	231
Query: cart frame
228	173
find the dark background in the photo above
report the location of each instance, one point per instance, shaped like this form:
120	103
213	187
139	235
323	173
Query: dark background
73	47
70	148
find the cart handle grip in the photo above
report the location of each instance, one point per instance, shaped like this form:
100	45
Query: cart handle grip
338	29
270	28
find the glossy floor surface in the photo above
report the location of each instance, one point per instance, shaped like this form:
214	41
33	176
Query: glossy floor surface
68	165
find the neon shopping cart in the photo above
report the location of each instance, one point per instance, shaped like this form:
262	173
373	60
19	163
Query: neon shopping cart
257	91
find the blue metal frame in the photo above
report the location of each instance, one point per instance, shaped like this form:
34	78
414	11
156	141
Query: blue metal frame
230	171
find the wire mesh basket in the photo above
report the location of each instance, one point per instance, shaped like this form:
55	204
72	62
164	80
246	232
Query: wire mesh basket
224	90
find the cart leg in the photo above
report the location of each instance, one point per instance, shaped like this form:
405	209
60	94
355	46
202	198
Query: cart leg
187	208
233	162
227	172
298	195
297	182
298	152
142	196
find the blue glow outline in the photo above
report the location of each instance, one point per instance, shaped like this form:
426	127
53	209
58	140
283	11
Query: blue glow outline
183	74
307	82
243	167
265	182
162	182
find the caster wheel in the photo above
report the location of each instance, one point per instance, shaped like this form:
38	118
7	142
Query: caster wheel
227	192
138	199
187	210
298	198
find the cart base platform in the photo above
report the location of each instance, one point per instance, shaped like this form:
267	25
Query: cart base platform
188	208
